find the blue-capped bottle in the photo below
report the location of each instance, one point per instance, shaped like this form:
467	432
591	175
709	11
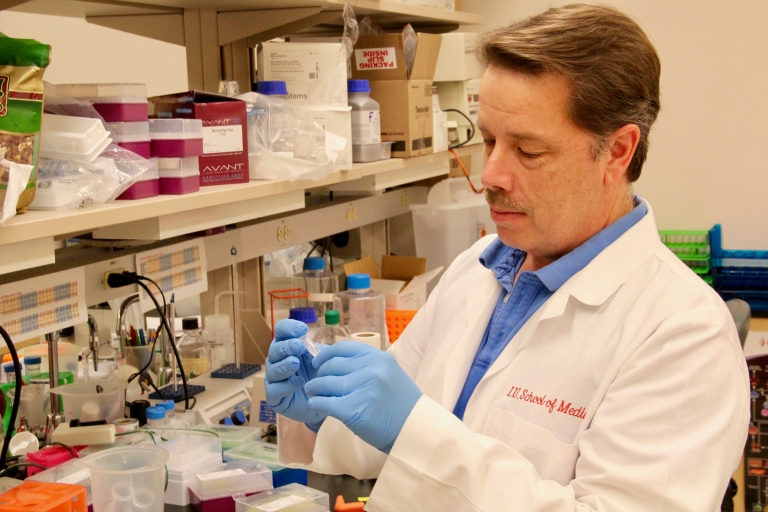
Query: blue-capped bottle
320	284
366	122
362	309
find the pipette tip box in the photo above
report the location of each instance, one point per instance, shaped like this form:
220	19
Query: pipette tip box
290	498
178	395
231	371
142	189
213	491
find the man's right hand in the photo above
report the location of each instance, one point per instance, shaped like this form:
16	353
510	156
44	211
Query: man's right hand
289	367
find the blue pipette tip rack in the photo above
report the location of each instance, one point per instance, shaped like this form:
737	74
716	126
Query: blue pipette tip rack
231	371
178	395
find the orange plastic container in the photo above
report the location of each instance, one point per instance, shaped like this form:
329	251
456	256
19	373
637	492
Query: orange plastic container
44	497
397	321
341	506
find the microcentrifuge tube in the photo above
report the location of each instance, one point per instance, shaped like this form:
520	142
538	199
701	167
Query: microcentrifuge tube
309	345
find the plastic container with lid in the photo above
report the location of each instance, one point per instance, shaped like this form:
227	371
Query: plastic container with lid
156	416
32	365
195	353
333	331
170	410
93	400
362	309
191	449
132	136
127	478
272	88
179	175
220	336
176	138
289	498
244	478
366	122
72	138
115	102
319	283
147	186
9	372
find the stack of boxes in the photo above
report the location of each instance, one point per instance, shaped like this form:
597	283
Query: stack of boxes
177	145
316	78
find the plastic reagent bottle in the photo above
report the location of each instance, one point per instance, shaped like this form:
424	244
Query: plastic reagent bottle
320	284
170	409
362	309
366	122
194	352
221	338
10	374
32	365
155	416
333	330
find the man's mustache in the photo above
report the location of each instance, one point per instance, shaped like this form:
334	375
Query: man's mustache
499	201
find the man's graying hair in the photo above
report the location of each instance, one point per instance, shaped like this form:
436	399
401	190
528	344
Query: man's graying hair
610	63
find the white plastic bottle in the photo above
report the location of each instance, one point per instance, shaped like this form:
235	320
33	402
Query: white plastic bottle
333	331
321	285
366	122
362	309
221	338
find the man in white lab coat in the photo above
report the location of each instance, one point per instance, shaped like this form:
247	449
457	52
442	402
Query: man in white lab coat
572	363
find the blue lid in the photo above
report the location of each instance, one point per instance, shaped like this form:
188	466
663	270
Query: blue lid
358	281
8	367
33	360
168	405
306	315
314	263
354	86
272	88
228	421
241	416
155	412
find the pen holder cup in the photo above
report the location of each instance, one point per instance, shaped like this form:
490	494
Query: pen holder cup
138	356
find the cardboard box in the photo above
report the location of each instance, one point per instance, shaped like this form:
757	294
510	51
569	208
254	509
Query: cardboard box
315	73
225	142
405	97
403	279
338	121
455	171
465	97
457	59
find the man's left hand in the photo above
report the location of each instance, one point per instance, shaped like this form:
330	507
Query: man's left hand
365	389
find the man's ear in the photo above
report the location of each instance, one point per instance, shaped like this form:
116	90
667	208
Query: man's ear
621	147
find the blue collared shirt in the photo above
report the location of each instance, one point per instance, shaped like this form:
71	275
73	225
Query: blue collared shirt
520	300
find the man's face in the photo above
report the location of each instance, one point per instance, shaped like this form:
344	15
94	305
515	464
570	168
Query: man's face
545	189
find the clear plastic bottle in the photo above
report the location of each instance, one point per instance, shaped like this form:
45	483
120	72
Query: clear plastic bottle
277	130
320	284
362	309
195	353
309	317
32	365
10	372
333	331
221	338
155	416
170	410
366	122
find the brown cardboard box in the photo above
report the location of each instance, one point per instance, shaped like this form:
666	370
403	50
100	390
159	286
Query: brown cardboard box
455	171
403	279
405	98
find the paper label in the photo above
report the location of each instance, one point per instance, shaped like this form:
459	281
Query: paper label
366	127
280	503
376	58
320	297
296	66
76	478
222	139
221	474
266	413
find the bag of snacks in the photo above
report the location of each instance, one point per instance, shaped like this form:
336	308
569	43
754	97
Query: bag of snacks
22	63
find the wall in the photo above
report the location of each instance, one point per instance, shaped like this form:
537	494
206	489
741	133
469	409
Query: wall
84	53
706	162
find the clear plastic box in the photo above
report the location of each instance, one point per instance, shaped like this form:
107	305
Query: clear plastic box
137	131
232	436
187	451
72	137
66	473
177	492
233	478
289	498
172	138
255	451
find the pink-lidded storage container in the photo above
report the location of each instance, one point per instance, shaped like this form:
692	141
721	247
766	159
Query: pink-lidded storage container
115	102
132	136
179	175
176	138
147	186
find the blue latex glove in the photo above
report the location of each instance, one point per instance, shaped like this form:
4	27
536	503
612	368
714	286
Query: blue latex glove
289	368
365	389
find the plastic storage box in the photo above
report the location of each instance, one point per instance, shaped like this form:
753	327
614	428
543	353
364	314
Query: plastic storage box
179	175
133	137
177	492
267	453
232	436
72	138
115	102
290	498
186	451
176	138
147	186
214	491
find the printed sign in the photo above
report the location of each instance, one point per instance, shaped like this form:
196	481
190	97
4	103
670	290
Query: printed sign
376	58
178	269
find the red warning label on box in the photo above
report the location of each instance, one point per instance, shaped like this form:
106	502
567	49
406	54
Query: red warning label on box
376	58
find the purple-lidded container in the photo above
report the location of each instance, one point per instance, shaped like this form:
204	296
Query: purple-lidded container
214	491
114	102
178	175
132	136
147	186
176	138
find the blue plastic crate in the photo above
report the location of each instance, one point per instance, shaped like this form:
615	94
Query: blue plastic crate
718	253
740	278
757	299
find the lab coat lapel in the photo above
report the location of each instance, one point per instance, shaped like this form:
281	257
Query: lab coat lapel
482	293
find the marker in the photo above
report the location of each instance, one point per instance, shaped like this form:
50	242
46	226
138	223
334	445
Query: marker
142	339
133	337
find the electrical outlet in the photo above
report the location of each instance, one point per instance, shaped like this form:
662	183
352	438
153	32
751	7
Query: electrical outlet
106	276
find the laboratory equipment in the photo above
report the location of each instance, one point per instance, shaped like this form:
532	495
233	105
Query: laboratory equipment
187	450
69	356
289	498
194	352
309	345
33	405
52	339
362	309
9	370
32	365
177	492
133	136
23	443
156	416
179	176
49	457
95	354
170	410
219	335
319	284
66	473
176	138
372	339
397	321
127	478
92	400
114	102
126	425
222	400
333	331
214	491
366	122
267	453
45	497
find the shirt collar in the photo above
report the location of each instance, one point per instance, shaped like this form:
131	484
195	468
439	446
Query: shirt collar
505	261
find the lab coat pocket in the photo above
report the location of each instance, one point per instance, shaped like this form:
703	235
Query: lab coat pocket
552	459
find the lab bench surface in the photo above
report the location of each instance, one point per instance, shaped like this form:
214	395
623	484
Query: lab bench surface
349	487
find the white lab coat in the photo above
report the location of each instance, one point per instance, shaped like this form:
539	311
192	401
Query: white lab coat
626	391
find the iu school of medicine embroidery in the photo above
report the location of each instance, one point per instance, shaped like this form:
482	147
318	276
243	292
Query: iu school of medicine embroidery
551	404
